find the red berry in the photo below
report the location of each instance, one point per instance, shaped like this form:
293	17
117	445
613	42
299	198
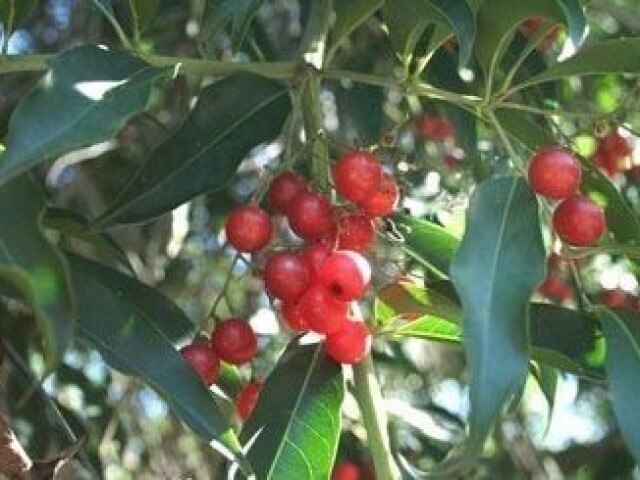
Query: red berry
555	173
346	275
434	128
578	221
349	344
355	232
249	228
322	310
615	298
357	175
311	216
612	153
203	360
555	288
234	341
286	276
247	399
315	255
383	201
283	190
293	317
346	471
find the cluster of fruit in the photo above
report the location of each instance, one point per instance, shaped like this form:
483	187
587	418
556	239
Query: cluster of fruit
612	154
555	173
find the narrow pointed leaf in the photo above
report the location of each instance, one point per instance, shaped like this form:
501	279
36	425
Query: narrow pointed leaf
133	330
297	418
33	267
349	16
92	91
230	118
622	333
462	21
220	14
500	261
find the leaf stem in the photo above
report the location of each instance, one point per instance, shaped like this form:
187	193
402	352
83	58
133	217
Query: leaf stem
374	416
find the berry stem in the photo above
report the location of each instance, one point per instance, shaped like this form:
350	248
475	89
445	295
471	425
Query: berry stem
223	291
374	416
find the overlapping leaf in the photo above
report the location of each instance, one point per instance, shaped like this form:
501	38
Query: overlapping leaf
350	15
220	14
231	117
93	92
296	423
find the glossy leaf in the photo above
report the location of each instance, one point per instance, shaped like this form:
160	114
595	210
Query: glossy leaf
622	333
220	14
462	20
427	242
576	19
349	16
74	226
296	423
231	117
33	267
93	92
134	331
500	261
607	56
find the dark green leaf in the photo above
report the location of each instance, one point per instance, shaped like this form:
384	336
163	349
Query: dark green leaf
607	56
34	267
93	92
74	226
133	329
231	117
297	418
500	261
462	21
144	12
220	14
13	12
350	15
622	333
427	242
524	128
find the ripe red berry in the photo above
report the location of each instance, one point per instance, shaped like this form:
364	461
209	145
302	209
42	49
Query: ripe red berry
283	190
578	221
311	216
555	288
247	399
322	310
612	153
346	275
346	471
234	341
349	344
293	317
555	173
615	298
355	232
434	128
286	276
383	201
203	360
357	175
249	228
315	254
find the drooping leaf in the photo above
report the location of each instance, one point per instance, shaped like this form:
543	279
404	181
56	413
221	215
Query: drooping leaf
231	117
220	14
93	92
349	16
576	19
500	261
134	329
462	21
34	267
622	333
75	226
297	418
607	56
431	244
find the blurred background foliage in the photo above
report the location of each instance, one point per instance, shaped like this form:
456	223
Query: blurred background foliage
127	430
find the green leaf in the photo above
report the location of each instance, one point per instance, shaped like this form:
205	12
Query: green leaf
220	14
13	12
500	261
576	19
547	379
92	91
75	226
34	267
134	328
297	419
349	16
605	57
462	20
144	12
231	117
525	129
427	242
622	333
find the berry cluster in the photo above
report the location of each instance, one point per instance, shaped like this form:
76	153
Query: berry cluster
556	174
612	153
234	342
